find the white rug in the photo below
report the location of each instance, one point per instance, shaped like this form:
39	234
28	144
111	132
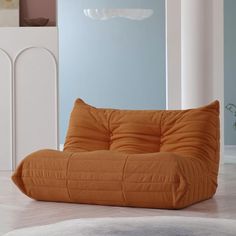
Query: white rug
135	226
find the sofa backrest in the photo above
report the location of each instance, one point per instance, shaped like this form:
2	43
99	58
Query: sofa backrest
193	132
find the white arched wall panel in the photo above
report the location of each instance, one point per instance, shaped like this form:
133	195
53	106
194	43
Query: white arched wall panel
5	111
35	83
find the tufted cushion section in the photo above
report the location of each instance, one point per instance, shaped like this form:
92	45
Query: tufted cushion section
88	129
192	132
127	131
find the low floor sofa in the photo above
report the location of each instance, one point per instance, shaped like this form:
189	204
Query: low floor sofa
137	158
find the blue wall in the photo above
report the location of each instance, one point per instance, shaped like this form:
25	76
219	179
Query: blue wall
117	63
230	69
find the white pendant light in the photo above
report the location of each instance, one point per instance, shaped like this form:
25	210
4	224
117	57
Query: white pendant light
106	14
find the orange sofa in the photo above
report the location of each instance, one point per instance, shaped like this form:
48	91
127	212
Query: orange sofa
156	159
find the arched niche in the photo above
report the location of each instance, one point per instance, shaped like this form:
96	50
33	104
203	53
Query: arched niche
35	103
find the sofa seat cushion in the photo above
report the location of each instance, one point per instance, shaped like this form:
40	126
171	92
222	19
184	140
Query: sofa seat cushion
155	180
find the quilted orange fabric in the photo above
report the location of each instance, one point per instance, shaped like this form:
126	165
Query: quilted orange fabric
156	159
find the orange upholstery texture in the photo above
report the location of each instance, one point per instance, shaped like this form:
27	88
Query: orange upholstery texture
157	159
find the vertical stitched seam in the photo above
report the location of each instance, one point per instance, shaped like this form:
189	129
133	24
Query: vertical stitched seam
67	168
109	127
161	130
123	173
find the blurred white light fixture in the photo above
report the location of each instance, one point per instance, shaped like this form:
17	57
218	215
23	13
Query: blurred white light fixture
106	14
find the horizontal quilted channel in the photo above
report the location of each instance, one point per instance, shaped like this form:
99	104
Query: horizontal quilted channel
96	177
43	176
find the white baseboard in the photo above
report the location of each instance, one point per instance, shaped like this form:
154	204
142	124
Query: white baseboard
61	147
230	154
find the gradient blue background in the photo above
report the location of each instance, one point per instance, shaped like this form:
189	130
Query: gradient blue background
230	68
117	63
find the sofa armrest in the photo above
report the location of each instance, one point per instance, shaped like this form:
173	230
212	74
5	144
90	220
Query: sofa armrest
43	170
174	180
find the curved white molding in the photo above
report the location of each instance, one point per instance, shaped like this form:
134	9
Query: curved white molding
106	14
53	57
7	56
34	47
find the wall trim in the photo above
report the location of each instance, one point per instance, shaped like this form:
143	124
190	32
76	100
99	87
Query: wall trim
230	154
230	146
218	63
11	102
20	52
61	147
13	63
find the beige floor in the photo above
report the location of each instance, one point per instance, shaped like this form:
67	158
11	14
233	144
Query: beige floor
17	211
